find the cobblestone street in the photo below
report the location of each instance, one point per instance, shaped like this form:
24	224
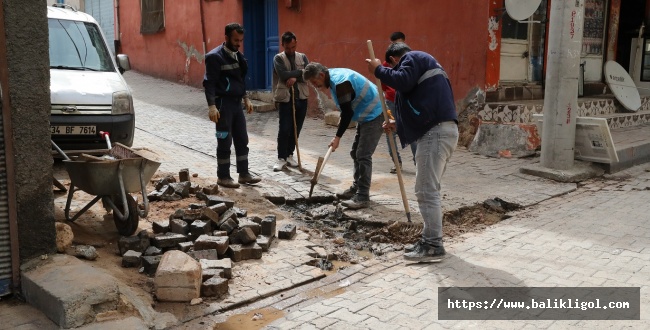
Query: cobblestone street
592	234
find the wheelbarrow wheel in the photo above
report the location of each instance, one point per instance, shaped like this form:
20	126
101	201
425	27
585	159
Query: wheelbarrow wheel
128	226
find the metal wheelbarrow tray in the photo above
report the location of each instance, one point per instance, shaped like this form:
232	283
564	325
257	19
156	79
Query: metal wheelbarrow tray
113	181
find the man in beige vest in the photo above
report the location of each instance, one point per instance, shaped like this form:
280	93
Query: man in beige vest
289	87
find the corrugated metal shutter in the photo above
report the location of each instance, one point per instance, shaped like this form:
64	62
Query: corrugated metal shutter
5	242
102	11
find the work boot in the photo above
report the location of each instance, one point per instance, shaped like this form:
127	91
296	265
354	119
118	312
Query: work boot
291	162
393	169
356	203
411	247
424	252
248	179
227	182
280	164
348	193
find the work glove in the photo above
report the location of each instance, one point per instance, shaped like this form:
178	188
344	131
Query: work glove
213	113
390	115
249	106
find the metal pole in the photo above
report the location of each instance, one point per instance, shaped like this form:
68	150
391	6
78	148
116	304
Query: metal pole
560	96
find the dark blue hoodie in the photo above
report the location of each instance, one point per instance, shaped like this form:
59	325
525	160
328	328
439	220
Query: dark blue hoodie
424	97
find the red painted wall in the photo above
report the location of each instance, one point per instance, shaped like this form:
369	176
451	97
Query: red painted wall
177	52
334	33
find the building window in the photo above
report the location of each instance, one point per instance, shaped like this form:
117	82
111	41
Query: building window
153	16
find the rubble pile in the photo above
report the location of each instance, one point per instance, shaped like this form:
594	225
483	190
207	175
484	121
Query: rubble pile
198	244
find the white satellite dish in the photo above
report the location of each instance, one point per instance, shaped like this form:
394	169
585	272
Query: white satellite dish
520	10
622	86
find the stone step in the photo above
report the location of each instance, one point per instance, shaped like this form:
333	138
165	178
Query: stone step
632	145
261	106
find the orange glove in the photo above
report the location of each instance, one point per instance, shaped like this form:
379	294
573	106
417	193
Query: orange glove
390	115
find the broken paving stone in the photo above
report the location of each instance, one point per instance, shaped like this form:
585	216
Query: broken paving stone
229	214
199	227
233	238
494	205
126	243
171	198
181	188
214	287
219	233
178	214
206	274
168	240
150	264
239	252
255	227
185	246
255	219
179	227
246	235
382	248
210	214
210	254
194	188
228	225
264	242
206	242
268	226
214	200
351	225
212	189
131	259
197	206
152	251
222	264
158	194
219	208
321	212
160	226
184	175
320	251
287	231
161	183
192	215
240	212
178	278
196	301
87	252
339	241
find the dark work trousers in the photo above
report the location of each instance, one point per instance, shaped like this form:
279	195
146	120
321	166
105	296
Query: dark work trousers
364	145
231	129
286	138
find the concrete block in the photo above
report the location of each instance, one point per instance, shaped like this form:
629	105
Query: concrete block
219	208
206	242
192	215
209	213
229	214
184	175
287	231
234	238
194	188
214	287
178	214
212	189
131	259
240	212
505	140
255	219
268	226
246	223
185	246
223	264
239	252
168	240
210	254
264	242
178	278
74	305
160	226
219	233
129	243
179	226
196	206
246	235
150	264
199	227
181	188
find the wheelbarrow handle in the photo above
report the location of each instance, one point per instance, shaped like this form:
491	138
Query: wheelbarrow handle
145	200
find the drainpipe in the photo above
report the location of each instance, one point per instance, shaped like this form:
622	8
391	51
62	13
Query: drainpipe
118	38
9	157
203	26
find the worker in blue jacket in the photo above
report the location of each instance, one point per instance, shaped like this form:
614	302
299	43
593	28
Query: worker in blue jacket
426	114
225	71
358	100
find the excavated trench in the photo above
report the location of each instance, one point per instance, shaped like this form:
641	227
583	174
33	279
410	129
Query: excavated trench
356	238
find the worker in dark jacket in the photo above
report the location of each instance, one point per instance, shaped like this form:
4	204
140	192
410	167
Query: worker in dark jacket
426	114
225	70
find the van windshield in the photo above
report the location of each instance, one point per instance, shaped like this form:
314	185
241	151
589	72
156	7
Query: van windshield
78	46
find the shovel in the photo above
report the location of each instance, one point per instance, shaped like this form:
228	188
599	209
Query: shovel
319	168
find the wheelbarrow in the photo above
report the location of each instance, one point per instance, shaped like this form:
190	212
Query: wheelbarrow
112	180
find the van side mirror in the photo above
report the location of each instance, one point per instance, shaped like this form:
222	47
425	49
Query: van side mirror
123	63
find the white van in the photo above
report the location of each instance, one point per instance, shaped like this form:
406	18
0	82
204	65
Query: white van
88	93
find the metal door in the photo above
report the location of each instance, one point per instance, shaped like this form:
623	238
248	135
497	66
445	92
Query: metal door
260	41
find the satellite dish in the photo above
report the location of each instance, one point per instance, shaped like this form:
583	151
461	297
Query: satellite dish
622	86
520	10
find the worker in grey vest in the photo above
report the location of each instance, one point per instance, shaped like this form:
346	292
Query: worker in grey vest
289	90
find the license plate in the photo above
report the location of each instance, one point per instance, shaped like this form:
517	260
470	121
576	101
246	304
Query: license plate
73	130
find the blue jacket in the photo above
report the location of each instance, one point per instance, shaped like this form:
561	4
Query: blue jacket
365	104
224	76
423	94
